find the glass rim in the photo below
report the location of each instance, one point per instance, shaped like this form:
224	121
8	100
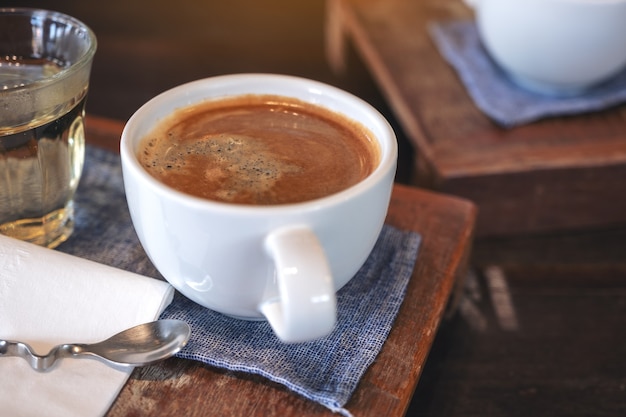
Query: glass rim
85	58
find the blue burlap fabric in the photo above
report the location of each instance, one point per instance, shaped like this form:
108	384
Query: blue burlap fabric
326	371
500	98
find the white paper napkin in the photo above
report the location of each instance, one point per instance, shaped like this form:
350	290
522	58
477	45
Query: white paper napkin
48	298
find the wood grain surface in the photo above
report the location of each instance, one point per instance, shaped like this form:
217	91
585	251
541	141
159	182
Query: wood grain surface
566	288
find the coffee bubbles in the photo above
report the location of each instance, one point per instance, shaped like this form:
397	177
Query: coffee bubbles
261	150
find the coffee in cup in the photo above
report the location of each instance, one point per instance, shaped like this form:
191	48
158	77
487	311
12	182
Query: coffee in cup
281	253
259	150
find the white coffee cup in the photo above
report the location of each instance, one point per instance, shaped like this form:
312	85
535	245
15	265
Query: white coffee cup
555	47
283	263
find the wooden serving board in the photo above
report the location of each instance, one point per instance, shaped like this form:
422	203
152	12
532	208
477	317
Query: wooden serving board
178	387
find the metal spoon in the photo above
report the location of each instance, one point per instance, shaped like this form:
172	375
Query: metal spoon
140	345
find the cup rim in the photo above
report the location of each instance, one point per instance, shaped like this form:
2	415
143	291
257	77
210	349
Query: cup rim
85	58
388	147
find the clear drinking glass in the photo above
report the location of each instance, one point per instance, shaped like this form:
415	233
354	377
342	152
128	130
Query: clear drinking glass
45	63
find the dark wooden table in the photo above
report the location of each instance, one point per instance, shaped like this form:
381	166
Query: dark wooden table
540	329
564	173
179	387
560	353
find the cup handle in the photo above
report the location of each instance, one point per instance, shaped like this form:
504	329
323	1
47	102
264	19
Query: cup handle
306	308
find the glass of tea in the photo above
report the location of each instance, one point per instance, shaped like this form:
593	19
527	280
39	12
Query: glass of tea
45	63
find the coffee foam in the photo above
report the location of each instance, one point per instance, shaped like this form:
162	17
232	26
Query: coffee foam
258	150
236	165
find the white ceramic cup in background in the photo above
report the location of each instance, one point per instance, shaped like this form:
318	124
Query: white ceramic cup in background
555	47
282	262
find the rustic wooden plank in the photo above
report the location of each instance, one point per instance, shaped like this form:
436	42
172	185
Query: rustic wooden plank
599	248
103	132
552	175
565	358
181	387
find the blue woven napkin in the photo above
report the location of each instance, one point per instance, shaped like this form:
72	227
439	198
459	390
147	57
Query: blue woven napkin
326	371
500	98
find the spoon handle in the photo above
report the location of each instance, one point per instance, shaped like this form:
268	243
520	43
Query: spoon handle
23	350
140	345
